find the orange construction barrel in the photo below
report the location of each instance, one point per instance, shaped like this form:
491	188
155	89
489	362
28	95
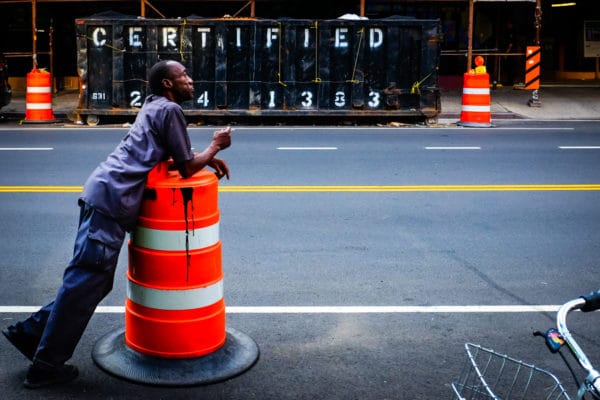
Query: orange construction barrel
38	98
476	100
175	305
175	332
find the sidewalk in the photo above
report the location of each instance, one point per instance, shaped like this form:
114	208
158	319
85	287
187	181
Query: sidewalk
564	101
574	101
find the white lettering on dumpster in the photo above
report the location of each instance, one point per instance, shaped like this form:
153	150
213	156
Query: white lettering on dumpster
306	37
339	99
374	102
99	36
271	99
203	36
238	37
203	99
308	98
375	37
135	36
169	37
272	34
341	39
136	98
98	96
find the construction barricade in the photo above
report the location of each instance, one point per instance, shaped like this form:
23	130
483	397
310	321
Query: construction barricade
38	98
175	329
532	74
476	100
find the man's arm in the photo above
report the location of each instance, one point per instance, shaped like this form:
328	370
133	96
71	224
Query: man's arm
221	140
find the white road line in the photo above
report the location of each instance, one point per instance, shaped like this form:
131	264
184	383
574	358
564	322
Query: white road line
579	147
366	130
336	309
389	309
26	148
307	148
452	148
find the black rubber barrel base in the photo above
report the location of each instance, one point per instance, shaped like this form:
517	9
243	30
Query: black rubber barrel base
238	354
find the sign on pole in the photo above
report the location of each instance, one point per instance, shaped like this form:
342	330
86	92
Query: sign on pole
591	39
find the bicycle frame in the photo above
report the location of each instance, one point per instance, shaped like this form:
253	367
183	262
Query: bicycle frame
586	303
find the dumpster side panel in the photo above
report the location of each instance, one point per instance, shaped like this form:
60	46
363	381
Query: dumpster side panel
266	67
135	64
99	65
300	68
204	63
337	40
380	69
269	65
240	66
430	104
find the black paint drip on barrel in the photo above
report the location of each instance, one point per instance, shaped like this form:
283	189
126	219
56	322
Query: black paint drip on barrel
188	197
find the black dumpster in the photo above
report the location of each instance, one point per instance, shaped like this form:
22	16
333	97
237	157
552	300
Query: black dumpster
260	67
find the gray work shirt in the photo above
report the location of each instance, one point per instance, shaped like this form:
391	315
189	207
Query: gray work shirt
116	186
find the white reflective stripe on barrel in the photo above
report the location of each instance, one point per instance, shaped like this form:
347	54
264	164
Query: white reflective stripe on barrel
475	108
158	239
38	106
39	89
476	90
176	299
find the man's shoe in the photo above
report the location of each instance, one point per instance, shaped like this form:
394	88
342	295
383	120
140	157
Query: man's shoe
26	344
40	375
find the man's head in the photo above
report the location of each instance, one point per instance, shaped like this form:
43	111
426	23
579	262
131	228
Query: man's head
170	79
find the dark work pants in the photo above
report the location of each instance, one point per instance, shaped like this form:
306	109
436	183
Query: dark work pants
87	280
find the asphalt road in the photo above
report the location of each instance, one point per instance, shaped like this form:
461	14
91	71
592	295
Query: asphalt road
360	260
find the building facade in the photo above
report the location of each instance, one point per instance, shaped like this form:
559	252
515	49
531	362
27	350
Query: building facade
568	32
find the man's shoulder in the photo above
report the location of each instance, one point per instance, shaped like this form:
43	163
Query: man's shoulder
160	102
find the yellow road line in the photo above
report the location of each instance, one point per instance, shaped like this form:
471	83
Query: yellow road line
411	188
337	189
41	189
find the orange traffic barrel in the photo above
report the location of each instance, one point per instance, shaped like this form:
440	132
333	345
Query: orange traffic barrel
175	305
175	326
38	98
476	101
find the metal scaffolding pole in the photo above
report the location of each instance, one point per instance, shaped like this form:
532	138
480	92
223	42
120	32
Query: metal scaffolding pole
535	95
470	37
34	33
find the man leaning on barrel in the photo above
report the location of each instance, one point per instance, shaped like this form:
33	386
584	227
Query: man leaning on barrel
109	206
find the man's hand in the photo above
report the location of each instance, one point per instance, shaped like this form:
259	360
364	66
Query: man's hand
222	138
220	167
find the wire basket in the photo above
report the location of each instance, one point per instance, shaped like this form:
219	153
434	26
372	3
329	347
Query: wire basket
490	375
